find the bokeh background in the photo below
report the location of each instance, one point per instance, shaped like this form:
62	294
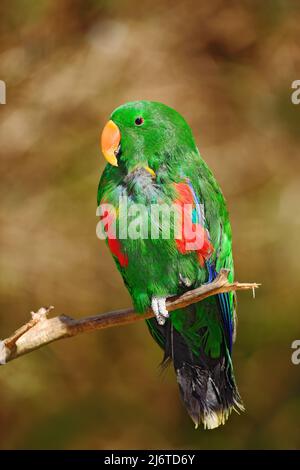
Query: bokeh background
227	66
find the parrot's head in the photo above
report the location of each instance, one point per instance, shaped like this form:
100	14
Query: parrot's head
146	136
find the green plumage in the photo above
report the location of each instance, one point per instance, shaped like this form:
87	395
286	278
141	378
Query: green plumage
198	338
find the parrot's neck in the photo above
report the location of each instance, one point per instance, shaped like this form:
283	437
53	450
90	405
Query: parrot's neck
141	185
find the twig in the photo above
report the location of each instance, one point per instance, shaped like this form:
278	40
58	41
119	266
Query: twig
40	330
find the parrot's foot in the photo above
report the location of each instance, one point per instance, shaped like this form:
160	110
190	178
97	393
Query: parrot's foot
159	308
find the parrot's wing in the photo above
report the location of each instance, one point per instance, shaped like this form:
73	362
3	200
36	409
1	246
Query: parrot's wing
209	256
108	218
226	306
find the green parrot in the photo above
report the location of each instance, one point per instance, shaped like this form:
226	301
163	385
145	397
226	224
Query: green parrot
154	166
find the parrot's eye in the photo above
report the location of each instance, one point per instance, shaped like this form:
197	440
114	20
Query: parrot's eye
139	121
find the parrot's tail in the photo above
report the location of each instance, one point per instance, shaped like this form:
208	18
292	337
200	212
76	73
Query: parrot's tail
207	386
209	395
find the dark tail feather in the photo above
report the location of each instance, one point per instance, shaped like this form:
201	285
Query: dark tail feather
209	396
206	385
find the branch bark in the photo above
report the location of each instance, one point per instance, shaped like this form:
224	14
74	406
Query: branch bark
40	330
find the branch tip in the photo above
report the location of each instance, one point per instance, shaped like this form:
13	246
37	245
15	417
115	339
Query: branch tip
42	313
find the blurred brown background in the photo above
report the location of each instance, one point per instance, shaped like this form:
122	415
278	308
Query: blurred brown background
227	66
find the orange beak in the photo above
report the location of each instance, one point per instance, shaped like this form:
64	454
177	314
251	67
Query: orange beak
110	141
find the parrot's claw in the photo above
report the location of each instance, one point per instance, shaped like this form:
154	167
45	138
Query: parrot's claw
159	308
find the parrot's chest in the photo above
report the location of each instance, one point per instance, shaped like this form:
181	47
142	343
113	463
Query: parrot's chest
145	224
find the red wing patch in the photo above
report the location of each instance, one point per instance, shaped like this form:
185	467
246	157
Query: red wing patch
116	249
192	235
113	243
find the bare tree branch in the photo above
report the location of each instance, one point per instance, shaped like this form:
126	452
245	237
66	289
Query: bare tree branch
40	330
